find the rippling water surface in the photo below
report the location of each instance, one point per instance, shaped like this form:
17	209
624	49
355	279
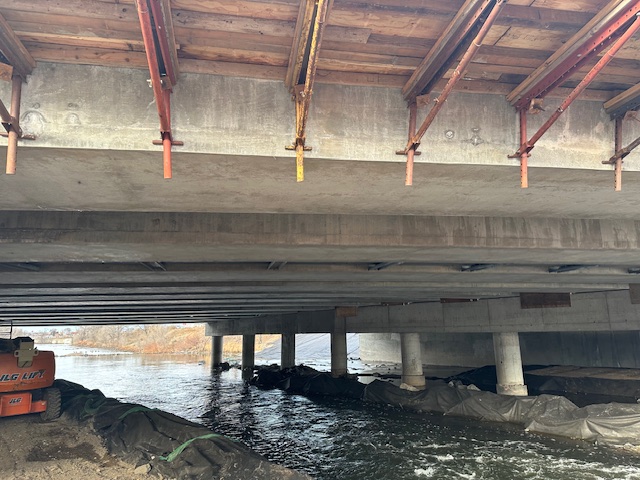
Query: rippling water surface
336	438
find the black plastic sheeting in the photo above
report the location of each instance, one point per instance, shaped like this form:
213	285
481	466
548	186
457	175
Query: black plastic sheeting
608	424
579	384
174	447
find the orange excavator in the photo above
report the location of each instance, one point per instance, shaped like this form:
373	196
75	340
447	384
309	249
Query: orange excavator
26	380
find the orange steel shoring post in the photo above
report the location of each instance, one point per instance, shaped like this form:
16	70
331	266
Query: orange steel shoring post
620	153
617	180
14	132
414	140
527	145
413	114
162	96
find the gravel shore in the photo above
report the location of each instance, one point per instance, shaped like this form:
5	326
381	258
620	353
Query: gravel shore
58	450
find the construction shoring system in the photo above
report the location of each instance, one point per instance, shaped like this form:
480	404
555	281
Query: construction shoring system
620	107
162	68
484	17
306	47
614	31
21	64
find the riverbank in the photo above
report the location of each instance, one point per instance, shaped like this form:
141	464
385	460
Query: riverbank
102	438
59	450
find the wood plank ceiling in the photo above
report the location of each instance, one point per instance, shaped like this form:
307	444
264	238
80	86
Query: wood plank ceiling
374	42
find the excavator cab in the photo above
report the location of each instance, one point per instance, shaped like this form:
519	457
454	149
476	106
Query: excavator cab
26	380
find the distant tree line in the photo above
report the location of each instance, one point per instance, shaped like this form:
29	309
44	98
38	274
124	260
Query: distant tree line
144	338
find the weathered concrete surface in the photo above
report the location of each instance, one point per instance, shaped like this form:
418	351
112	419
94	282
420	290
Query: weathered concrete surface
66	107
93	160
410	349
594	312
508	363
113	180
190	237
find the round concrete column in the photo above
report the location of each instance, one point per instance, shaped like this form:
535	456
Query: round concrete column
288	350
248	355
216	350
411	352
339	348
506	347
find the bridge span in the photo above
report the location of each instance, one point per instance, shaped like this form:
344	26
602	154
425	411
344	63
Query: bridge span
368	226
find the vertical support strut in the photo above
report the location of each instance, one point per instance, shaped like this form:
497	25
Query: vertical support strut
166	138
413	114
300	132
303	91
617	180
14	132
527	146
414	140
524	156
161	91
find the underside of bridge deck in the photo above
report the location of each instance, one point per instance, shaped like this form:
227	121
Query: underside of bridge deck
280	162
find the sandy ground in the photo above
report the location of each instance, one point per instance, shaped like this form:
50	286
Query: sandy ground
58	450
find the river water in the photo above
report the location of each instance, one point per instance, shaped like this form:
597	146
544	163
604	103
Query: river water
336	439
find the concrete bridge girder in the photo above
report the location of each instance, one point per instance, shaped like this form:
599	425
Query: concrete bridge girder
78	106
601	311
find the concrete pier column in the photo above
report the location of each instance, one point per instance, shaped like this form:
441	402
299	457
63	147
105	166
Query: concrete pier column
216	350
288	351
339	347
411	352
506	347
248	355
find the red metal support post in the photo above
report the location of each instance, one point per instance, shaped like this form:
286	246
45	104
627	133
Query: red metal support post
524	156
414	142
14	131
166	138
413	114
161	92
527	146
617	182
620	154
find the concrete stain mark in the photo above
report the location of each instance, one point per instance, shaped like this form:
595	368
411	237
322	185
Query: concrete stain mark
33	122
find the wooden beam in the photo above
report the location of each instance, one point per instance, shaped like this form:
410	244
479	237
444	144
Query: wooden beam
14	51
570	56
300	43
6	72
626	101
441	55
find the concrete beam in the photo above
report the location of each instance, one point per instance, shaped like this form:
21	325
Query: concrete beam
590	312
36	236
70	110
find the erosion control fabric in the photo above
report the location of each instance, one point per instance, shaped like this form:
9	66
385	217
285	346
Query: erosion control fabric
608	424
174	447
